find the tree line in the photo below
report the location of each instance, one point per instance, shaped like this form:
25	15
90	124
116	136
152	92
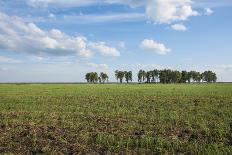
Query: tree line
174	76
155	76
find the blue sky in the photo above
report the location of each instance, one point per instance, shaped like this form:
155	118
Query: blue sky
61	40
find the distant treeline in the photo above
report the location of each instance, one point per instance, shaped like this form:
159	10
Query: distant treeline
155	76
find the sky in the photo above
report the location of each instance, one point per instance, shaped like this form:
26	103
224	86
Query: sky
62	40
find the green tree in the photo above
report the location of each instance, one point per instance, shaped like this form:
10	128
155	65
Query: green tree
155	75
141	76
128	76
198	77
149	76
119	75
184	76
176	77
103	77
189	76
163	76
93	77
144	75
209	76
87	77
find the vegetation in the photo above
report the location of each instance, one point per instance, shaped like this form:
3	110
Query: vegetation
94	78
154	76
170	76
116	119
103	77
121	74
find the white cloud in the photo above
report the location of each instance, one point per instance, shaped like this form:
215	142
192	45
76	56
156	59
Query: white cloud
159	11
179	27
167	11
98	66
19	36
4	59
208	11
154	46
104	50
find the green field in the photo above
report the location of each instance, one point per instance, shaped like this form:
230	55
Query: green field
116	119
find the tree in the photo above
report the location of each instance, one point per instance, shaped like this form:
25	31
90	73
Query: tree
103	77
128	76
87	77
141	76
198	77
93	77
176	77
119	75
166	76
209	76
189	76
169	75
155	75
99	79
184	76
214	77
148	76
162	76
194	75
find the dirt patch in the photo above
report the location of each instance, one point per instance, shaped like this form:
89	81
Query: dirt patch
43	139
105	124
185	134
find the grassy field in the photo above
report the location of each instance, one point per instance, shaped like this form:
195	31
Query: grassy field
111	119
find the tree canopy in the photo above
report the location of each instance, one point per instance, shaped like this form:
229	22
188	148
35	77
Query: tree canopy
93	77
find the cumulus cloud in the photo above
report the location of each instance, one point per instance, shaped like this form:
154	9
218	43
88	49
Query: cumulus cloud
154	46
19	36
167	11
105	50
179	27
159	11
208	11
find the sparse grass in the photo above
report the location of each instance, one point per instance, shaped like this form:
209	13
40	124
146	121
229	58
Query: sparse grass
116	119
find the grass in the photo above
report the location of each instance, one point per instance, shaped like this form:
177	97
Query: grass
116	119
